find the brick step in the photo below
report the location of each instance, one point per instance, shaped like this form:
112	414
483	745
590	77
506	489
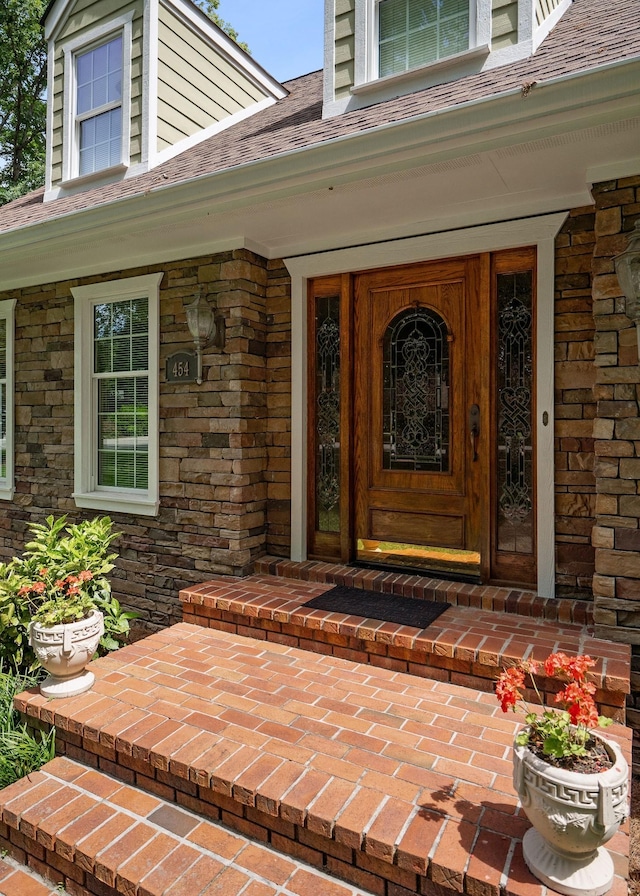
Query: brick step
518	601
397	784
466	645
18	880
93	834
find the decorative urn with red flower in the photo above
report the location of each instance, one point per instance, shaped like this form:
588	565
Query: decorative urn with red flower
65	632
571	781
61	589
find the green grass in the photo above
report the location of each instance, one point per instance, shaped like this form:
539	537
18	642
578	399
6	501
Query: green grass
20	751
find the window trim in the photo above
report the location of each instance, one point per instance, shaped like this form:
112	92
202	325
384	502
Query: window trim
7	483
86	493
120	26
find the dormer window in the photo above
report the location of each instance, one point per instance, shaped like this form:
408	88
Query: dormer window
380	49
99	106
97	101
416	32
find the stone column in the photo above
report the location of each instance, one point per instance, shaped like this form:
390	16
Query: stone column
575	409
616	535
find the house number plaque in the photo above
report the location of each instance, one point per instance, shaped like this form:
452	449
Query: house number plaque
182	367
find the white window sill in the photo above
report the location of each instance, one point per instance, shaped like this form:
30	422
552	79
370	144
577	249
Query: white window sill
114	174
82	179
6	494
420	71
116	503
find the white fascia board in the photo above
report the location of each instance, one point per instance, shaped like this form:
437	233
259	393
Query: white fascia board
549	23
178	148
556	106
196	19
137	248
56	17
617	169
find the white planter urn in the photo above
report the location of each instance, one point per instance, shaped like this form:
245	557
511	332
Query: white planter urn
573	815
64	651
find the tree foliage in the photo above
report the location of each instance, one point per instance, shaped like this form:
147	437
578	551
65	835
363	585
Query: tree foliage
210	7
23	62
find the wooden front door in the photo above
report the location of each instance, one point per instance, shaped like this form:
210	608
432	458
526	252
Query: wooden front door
421	436
421	415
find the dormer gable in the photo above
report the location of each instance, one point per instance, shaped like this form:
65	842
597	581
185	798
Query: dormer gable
379	49
132	83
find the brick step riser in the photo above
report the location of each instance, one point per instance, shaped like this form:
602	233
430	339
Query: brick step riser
517	601
50	866
354	864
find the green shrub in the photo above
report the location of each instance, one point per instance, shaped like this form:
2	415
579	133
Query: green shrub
20	751
60	577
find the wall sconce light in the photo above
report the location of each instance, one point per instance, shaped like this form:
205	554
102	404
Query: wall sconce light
206	328
628	271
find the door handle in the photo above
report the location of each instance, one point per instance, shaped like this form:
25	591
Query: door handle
474	428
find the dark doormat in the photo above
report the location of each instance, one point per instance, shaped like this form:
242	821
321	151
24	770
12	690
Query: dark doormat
377	605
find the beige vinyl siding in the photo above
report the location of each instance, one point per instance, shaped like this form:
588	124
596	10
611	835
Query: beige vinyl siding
56	142
83	17
345	47
197	86
544	8
504	23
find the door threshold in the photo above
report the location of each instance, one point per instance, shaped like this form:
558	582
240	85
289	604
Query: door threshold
451	564
444	575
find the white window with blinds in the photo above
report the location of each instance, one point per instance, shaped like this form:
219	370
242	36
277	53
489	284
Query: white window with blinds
413	33
99	106
97	100
116	413
7	326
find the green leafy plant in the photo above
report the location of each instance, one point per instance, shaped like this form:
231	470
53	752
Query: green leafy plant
562	735
21	752
60	577
116	623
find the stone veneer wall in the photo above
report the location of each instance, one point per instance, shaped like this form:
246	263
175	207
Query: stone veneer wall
616	537
225	446
575	407
214	438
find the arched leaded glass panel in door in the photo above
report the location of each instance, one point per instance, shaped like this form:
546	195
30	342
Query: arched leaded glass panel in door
416	385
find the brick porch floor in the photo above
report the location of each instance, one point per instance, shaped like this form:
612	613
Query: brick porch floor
484	629
398	784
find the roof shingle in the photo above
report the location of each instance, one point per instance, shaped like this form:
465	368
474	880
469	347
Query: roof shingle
591	34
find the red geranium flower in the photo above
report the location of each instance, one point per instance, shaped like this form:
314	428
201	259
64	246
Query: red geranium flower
564	734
